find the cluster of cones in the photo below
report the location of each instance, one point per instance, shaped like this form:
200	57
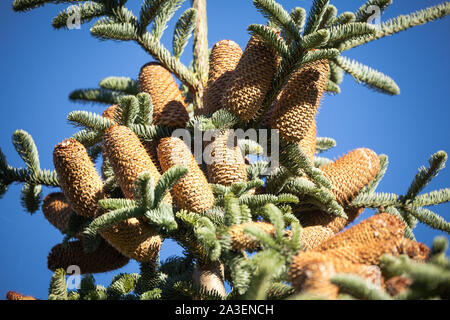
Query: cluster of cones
238	81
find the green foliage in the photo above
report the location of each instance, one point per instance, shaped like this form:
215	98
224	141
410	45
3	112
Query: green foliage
359	287
122	84
183	31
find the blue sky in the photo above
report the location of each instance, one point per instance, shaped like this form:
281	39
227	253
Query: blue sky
41	66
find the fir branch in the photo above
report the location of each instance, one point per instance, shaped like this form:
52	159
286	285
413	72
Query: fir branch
58	289
95	96
86	12
114	204
183	31
108	220
315	40
318	9
89	120
401	23
167	180
106	29
375	200
24	5
336	73
384	162
122	84
150	132
330	15
350	30
122	284
425	175
430	218
400	214
145	115
359	287
324	144
248	146
270	37
31	197
298	15
88	137
370	77
432	198
128	110
365	13
224	119
276	13
343	18
163	15
256	169
26	148
44	177
148	12
332	87
321	162
144	190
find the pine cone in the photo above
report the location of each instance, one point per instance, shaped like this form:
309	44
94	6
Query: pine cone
310	237
251	79
57	210
308	143
298	103
169	108
78	177
350	173
13	295
111	112
128	158
192	192
104	259
413	249
372	231
224	58
228	165
333	222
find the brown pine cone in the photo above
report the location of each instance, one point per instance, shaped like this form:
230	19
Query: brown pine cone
57	210
13	295
169	107
192	192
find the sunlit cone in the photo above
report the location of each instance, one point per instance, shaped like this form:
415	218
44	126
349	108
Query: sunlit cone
227	163
311	272
350	173
111	112
135	239
169	108
330	221
308	143
78	177
415	250
314	236
298	103
192	192
57	210
310	237
224	57
128	158
104	259
371	231
243	241
13	295
251	79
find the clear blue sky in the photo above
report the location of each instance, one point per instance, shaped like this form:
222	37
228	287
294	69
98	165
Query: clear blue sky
41	66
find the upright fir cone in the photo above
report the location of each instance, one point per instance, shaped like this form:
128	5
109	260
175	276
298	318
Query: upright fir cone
78	177
169	108
332	222
128	158
111	112
224	58
57	210
311	272
350	173
310	237
298	103
104	259
13	295
397	285
227	163
192	192
251	80
308	143
83	188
